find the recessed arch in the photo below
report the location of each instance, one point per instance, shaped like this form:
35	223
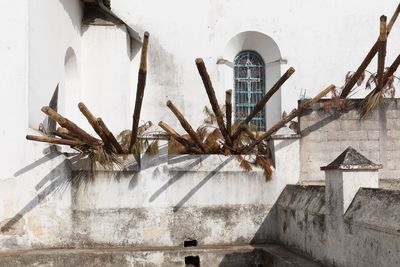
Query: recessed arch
270	53
70	87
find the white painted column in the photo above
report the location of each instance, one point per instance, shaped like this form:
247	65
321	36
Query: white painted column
343	178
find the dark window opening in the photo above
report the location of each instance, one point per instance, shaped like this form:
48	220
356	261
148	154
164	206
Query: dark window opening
192	261
190	243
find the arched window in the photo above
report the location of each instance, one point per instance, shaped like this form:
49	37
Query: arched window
249	72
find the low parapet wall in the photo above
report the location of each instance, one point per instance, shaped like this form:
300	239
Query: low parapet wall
167	201
326	133
371	227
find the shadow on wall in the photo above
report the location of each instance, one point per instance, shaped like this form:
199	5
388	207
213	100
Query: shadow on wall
74	9
266	234
57	177
180	174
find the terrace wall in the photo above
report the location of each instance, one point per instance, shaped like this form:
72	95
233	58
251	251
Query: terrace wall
327	133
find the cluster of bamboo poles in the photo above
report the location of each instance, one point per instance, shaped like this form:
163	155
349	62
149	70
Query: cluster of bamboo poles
230	134
72	135
383	75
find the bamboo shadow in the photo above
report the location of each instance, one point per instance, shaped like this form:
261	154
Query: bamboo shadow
199	185
58	176
173	180
36	163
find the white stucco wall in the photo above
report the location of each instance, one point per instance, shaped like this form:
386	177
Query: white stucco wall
106	75
13	92
54	28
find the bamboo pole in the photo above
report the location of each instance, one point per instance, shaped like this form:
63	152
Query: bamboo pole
111	137
213	99
140	90
94	123
228	110
185	124
260	104
65	131
64	122
169	130
364	64
288	118
63	135
390	71
381	53
53	140
250	133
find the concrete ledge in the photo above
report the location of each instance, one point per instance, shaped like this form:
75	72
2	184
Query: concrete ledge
208	163
210	256
128	164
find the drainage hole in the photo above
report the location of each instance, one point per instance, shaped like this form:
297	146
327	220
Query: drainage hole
192	261
190	243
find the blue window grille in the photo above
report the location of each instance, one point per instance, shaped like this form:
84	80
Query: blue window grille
249	86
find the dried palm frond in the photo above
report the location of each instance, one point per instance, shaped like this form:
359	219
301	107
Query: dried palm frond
210	116
202	132
373	100
369	103
142	145
371	80
96	157
335	101
265	164
152	148
243	163
212	141
350	75
176	148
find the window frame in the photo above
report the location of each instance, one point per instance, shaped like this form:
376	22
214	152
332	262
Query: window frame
256	84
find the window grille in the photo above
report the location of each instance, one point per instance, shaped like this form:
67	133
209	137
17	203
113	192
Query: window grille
249	86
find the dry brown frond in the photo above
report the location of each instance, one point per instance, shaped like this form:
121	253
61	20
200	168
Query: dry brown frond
371	80
212	141
348	77
141	145
153	148
369	104
243	163
96	156
202	132
176	148
210	116
265	165
361	79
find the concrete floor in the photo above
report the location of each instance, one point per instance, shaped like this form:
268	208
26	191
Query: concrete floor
222	256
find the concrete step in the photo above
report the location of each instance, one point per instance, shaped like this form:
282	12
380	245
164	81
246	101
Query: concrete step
222	256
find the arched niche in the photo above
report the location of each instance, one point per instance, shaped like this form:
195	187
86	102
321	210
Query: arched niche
267	48
70	92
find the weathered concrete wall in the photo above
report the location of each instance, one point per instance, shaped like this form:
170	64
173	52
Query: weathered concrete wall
211	256
300	219
370	227
372	222
325	134
208	198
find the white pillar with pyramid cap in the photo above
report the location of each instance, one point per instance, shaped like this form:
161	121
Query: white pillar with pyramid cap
345	175
343	178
